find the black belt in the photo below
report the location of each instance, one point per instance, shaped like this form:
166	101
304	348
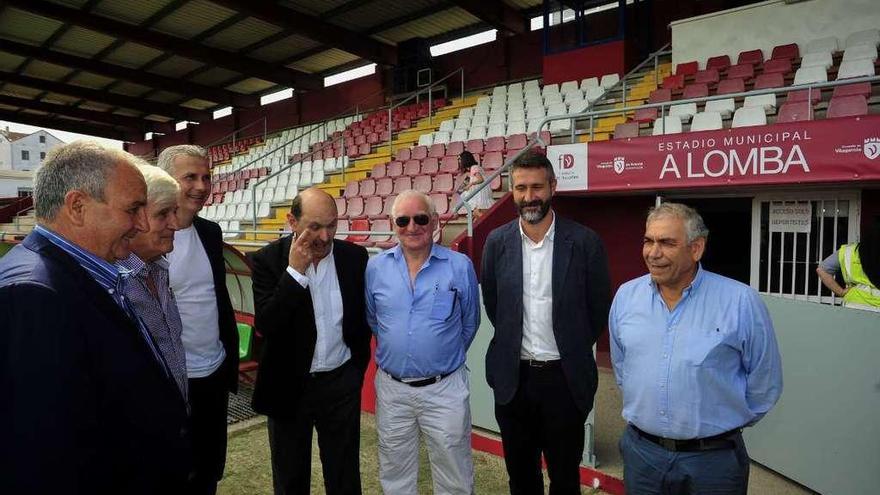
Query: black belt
420	383
534	363
716	442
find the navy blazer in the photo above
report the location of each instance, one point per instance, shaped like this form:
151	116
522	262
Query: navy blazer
212	239
285	316
87	409
581	300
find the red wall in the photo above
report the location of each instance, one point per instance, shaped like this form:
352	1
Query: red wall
591	61
508	58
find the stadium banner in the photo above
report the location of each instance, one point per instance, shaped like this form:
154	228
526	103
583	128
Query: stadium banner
833	150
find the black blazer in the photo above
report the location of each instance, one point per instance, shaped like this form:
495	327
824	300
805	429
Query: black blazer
285	317
581	301
212	239
87	409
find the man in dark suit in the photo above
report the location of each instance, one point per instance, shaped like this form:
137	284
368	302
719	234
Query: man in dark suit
210	337
547	293
309	304
90	405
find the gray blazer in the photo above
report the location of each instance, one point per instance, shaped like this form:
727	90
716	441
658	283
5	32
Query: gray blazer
581	300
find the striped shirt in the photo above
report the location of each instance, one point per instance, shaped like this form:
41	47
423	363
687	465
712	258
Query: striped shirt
159	313
110	277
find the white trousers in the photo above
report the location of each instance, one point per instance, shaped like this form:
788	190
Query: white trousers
442	413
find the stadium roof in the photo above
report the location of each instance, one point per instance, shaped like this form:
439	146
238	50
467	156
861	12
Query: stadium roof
120	68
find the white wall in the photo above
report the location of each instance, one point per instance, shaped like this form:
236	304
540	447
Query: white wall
9	186
768	24
31	143
5	154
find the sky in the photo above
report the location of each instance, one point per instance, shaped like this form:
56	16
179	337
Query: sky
62	135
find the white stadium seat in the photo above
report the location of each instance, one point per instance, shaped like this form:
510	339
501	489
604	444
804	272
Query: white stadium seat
866	37
855	68
706	121
828	44
809	75
683	111
609	80
725	107
667	125
767	102
749	116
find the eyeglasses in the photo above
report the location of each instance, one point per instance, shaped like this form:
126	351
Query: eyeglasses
421	219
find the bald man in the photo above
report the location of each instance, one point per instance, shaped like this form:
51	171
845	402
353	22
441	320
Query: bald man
309	302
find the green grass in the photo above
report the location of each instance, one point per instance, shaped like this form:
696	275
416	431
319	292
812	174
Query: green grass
249	472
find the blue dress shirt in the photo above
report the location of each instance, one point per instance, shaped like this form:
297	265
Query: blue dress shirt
423	329
708	366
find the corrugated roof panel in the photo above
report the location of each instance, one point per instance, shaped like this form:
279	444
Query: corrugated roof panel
9	62
242	34
130	11
20	91
214	76
176	67
60	99
193	17
72	3
523	4
82	42
282	49
164	97
90	80
130	89
314	7
132	55
39	114
23	26
94	105
251	85
45	70
7	107
325	60
376	13
157	118
431	25
198	104
126	112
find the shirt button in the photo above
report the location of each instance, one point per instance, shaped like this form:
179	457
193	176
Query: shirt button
662	413
664	356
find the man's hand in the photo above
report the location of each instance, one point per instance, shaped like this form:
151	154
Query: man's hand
301	252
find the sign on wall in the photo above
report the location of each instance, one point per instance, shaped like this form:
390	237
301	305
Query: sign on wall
834	150
791	217
570	164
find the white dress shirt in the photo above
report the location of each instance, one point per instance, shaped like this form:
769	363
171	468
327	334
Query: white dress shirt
323	283
538	341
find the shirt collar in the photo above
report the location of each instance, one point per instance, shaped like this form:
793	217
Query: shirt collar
105	273
695	283
437	252
550	234
133	264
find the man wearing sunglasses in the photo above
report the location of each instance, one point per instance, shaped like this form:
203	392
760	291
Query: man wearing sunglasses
423	306
547	292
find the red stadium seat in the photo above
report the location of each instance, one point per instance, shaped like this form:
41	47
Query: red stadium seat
793	112
420	152
359	140
494	144
454	148
673	82
686	68
444	183
708	76
352	151
403	154
645	115
492	160
847	106
402	184
719	62
660	95
696	90
384	186
780	65
788	51
364	149
768	81
741	71
441	205
359	225
627	130
387	204
379	171
475	146
342	226
382	241
754	57
341	207
368	187
355	207
351	189
437	150
422	183
801	95
412	168
863	89
449	165
394	169
430	166
373	207
729	86
516	142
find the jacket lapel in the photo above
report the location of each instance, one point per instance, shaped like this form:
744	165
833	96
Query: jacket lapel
513	250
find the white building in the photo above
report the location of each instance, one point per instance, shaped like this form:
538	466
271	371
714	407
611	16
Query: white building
25	152
15	183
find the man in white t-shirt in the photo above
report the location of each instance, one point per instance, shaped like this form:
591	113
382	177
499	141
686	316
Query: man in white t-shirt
210	337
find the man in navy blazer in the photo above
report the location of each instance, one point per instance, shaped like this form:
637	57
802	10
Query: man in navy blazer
90	406
547	293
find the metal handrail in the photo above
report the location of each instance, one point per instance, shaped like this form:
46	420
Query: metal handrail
536	140
236	131
415	94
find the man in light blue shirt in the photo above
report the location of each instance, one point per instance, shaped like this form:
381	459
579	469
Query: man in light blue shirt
423	306
696	358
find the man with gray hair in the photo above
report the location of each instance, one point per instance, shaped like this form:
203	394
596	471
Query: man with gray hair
91	406
423	307
210	336
695	356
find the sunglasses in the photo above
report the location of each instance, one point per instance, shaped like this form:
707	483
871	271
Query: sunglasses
422	220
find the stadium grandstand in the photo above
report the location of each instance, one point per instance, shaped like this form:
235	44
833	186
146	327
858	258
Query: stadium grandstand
762	115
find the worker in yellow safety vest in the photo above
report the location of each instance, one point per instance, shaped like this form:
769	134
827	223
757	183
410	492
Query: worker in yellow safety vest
859	264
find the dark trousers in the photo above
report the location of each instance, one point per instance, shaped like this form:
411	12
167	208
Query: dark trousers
542	417
330	403
208	399
649	469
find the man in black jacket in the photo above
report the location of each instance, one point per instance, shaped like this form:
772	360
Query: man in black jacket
309	305
210	336
547	292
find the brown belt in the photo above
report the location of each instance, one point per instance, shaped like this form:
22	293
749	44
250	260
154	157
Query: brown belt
726	440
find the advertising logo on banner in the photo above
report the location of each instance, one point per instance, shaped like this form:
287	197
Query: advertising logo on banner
835	150
570	164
